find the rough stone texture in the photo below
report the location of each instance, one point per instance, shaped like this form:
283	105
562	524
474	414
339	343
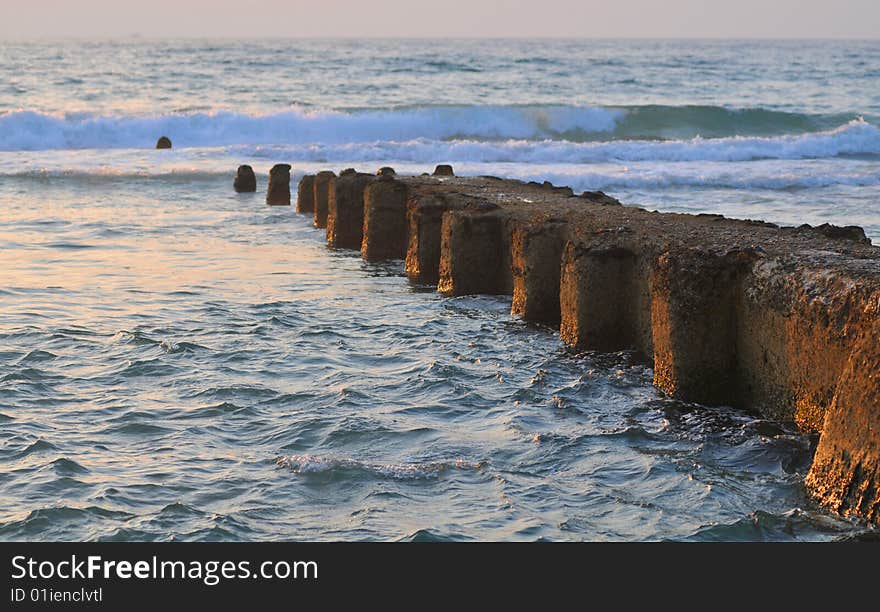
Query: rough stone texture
385	171
471	245
790	320
163	143
278	192
443	170
693	311
565	191
305	195
345	210
845	474
424	218
385	225
536	257
323	184
245	180
605	299
599	197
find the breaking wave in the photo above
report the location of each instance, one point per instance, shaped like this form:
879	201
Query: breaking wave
28	130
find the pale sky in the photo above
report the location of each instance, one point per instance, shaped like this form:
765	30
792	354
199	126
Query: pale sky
463	18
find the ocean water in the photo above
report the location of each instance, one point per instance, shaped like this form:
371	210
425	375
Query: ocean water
181	362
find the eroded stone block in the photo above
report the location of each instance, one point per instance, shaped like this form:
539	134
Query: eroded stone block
323	184
385	225
305	195
345	210
536	258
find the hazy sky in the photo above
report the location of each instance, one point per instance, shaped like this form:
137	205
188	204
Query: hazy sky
578	18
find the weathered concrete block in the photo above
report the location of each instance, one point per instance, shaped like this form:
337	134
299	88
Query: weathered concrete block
305	195
471	245
245	180
345	210
791	347
694	325
425	218
845	475
443	170
604	298
278	192
323	184
385	224
536	258
508	224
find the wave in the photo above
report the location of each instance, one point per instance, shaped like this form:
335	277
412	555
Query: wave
856	138
772	175
28	130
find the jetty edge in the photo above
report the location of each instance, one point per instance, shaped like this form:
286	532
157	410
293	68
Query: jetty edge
781	321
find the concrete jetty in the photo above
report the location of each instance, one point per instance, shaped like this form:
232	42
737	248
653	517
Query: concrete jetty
781	321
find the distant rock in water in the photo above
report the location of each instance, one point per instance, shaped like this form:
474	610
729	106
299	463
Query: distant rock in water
278	192
163	143
245	180
385	171
443	170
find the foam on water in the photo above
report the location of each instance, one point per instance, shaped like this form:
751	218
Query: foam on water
538	133
309	464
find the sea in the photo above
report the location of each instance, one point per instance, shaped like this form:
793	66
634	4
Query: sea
181	362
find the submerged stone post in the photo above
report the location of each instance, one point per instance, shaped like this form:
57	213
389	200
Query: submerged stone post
536	256
345	210
278	192
305	195
245	180
323	182
693	311
385	226
471	252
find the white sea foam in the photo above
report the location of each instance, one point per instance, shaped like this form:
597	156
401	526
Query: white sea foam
556	134
855	138
25	130
311	464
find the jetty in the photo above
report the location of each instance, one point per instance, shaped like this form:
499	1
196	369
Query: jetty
781	321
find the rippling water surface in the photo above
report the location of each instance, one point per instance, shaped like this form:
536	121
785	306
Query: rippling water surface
182	362
177	361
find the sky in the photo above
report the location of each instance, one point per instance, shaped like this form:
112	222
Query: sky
441	18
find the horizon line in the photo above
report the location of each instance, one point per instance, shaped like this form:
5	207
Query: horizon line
149	37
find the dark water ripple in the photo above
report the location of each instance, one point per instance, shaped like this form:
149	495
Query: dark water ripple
231	378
